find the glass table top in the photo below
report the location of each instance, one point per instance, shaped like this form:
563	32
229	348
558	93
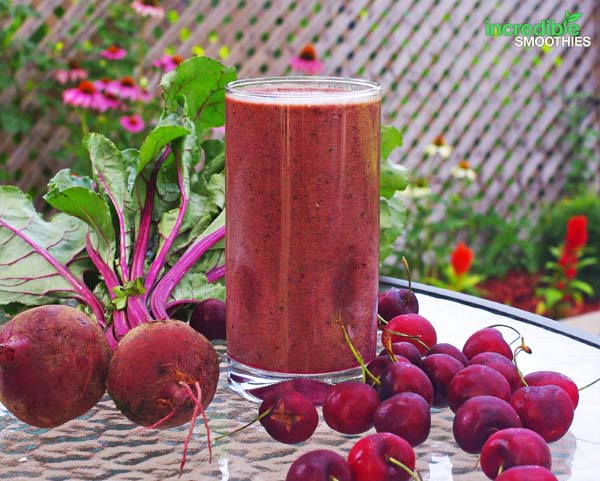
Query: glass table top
104	445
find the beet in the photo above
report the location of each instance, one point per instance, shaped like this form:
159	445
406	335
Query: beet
153	369
53	365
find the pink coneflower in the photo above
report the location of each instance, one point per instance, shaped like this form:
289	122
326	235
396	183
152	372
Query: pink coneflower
168	62
85	95
73	73
148	8
133	123
144	96
124	88
102	84
111	100
307	62
114	52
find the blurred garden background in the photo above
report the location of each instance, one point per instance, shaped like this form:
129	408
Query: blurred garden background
500	142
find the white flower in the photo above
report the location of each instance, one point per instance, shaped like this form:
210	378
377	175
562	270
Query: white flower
463	171
439	146
417	189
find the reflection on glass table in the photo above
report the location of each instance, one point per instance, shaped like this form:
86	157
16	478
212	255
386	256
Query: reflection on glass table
104	445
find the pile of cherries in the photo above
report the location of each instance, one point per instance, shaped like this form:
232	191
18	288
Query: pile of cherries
504	417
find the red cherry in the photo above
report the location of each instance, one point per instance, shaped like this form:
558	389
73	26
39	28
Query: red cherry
513	447
480	417
527	473
542	378
372	458
292	418
487	339
547	410
476	380
404	377
423	332
320	465
350	406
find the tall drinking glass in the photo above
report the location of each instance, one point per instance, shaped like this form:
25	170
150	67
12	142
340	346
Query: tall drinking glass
302	241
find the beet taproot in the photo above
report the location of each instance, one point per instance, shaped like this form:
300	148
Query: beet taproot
53	365
153	369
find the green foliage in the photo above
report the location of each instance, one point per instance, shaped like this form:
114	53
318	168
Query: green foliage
552	227
38	93
582	142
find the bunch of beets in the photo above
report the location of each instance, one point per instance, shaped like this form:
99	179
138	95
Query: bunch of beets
503	416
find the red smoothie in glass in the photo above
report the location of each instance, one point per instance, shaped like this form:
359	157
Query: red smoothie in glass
302	242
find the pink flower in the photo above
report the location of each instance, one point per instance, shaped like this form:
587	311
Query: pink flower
132	123
85	95
114	53
145	96
73	73
168	62
124	88
307	62
102	84
148	8
219	131
111	100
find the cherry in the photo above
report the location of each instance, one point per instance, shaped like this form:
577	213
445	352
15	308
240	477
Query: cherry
208	318
542	378
380	457
405	414
501	364
288	418
419	330
527	473
349	407
406	350
378	365
487	339
478	418
441	368
320	465
513	447
315	391
476	380
396	301
450	350
405	377
547	410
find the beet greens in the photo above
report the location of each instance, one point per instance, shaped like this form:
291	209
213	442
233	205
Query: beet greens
144	234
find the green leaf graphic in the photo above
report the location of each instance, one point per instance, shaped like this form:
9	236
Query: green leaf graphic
574	17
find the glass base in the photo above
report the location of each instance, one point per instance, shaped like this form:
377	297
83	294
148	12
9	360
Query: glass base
244	379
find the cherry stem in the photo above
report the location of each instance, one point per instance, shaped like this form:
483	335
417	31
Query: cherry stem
333	478
247	425
408	336
588	385
415	475
519	349
500	470
357	356
387	343
407	269
381	319
512	329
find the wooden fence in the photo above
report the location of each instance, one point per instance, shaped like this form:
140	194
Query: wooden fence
501	107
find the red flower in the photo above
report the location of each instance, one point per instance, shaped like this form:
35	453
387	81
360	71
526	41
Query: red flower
577	235
461	259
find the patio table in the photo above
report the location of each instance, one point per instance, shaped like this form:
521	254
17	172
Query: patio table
104	445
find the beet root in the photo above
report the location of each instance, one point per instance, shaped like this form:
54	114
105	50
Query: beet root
53	365
154	371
